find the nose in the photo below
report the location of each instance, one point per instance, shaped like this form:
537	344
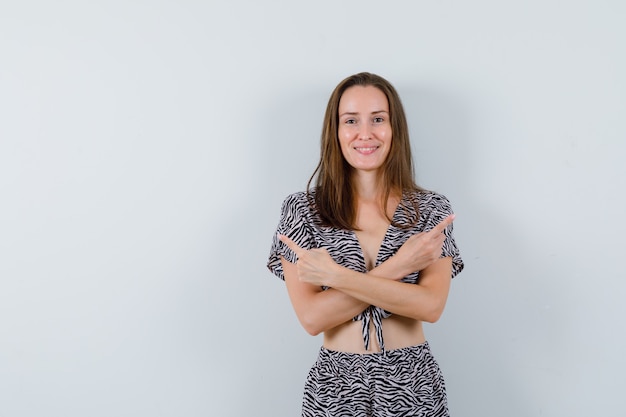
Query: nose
365	131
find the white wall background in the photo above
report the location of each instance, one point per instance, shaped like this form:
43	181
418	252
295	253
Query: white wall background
146	146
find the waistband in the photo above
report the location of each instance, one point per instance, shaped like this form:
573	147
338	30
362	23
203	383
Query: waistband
416	351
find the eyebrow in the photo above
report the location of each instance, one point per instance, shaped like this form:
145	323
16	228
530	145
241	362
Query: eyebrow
352	113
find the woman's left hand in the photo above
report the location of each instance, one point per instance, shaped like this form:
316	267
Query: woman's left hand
315	266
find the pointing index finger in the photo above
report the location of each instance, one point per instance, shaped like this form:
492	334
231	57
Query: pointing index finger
291	244
440	227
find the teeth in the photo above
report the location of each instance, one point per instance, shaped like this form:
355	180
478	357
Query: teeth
365	149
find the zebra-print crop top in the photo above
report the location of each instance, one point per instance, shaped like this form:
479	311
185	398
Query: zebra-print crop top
300	221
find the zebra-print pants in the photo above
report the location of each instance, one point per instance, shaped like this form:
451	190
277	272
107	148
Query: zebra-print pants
400	382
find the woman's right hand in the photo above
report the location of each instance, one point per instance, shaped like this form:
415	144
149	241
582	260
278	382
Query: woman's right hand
422	249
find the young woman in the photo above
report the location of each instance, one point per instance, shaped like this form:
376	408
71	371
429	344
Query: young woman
367	256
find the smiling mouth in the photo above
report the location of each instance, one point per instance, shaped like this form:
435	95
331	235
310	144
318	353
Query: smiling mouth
366	150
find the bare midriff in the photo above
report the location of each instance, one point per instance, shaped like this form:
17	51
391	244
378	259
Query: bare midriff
398	332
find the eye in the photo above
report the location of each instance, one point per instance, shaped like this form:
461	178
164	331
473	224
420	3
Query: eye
379	119
350	121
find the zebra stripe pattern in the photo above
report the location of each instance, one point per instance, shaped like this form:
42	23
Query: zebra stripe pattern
301	222
400	382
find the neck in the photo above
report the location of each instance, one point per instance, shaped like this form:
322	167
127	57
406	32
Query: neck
367	185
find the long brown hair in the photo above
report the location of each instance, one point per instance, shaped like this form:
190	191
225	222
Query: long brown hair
334	193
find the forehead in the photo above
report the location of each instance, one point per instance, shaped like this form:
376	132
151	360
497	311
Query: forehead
360	98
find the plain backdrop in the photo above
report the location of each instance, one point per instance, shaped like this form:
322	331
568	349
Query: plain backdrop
146	147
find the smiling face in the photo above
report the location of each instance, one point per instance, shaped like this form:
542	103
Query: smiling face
364	127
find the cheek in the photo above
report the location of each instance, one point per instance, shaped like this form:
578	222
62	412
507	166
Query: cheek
344	136
341	133
345	147
344	133
386	134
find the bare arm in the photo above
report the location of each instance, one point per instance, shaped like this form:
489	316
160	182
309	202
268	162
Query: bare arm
424	301
320	310
316	309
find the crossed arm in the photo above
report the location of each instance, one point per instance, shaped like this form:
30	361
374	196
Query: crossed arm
351	292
